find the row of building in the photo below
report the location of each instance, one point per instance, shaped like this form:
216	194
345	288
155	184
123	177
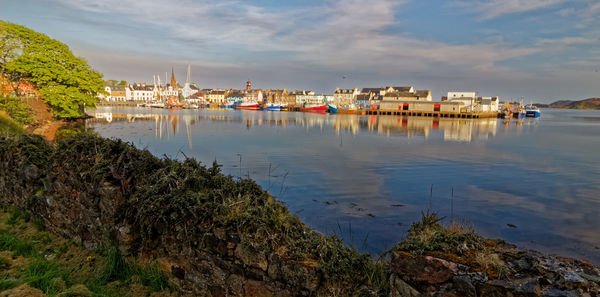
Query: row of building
405	98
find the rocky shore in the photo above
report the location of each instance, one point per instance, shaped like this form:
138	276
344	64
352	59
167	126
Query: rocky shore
213	235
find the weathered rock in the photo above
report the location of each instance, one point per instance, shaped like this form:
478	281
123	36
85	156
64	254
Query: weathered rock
463	285
423	268
399	288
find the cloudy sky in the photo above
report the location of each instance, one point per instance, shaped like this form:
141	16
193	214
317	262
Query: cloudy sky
538	50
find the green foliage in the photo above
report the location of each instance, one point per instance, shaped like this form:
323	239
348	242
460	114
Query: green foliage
8	283
46	276
16	109
154	278
10	242
429	235
66	82
122	83
117	268
8	126
4	263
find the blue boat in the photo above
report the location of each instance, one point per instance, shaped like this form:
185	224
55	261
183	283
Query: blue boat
272	107
332	108
532	111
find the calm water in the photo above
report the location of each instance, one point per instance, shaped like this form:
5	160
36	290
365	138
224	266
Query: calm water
366	178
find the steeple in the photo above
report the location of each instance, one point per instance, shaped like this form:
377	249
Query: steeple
187	80
173	82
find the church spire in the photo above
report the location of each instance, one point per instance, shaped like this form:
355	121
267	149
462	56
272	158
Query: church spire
173	82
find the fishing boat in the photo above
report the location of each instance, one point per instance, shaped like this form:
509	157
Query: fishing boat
173	103
314	108
518	112
272	107
331	108
247	106
532	111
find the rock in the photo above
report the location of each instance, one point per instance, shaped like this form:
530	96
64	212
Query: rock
76	291
399	288
423	269
553	292
573	281
518	287
463	284
22	291
257	289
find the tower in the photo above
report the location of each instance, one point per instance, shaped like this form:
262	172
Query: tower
173	82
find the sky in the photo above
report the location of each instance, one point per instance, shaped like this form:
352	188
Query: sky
530	50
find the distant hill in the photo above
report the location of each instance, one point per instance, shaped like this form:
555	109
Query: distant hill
591	103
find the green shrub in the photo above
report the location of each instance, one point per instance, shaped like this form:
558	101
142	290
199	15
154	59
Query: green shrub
9	242
45	276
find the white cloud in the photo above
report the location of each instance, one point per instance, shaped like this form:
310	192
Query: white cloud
495	8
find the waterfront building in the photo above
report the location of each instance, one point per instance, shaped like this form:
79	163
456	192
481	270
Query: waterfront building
216	96
143	92
472	102
117	93
345	97
276	96
234	97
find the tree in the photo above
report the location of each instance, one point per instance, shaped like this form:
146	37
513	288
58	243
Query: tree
122	83
66	82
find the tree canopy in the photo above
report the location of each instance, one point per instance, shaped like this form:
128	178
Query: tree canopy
66	82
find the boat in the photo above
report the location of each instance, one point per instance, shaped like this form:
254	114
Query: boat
173	103
532	111
273	106
332	108
314	108
518	112
156	105
247	106
192	106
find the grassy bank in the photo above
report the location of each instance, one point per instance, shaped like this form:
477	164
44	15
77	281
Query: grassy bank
31	256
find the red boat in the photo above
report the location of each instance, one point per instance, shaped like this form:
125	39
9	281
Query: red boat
315	108
247	105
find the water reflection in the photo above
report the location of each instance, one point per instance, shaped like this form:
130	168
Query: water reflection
460	130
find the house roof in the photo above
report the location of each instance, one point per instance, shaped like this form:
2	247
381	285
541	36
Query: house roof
371	90
422	93
401	89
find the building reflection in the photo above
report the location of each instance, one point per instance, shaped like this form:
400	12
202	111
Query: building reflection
170	124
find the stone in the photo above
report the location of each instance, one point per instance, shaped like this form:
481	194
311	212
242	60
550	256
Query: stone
257	289
463	284
423	269
553	292
399	288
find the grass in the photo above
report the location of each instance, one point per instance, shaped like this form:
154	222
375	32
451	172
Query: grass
8	125
53	265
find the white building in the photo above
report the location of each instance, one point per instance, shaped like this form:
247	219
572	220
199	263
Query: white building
188	89
345	97
474	103
143	92
117	93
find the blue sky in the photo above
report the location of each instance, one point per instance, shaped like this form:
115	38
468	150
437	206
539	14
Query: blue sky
539	50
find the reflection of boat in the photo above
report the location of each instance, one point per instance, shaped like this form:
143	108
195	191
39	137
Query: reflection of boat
532	111
315	107
247	105
332	108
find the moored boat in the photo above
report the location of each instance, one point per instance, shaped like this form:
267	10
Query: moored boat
247	105
272	107
315	108
532	111
332	108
